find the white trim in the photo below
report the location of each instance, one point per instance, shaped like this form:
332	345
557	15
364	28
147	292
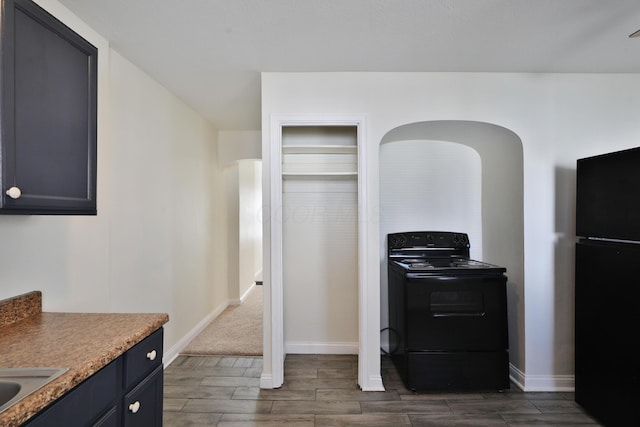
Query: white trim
549	383
516	376
368	369
248	292
243	297
321	347
374	383
277	295
369	378
170	355
266	381
563	383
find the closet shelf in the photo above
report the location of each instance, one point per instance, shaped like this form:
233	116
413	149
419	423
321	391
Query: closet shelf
319	149
336	175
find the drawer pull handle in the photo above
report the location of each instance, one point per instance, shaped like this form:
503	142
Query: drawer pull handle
134	407
152	355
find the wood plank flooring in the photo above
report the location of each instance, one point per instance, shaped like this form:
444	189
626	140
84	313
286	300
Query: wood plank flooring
321	390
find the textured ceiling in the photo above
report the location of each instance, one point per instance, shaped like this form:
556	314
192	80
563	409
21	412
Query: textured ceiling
210	52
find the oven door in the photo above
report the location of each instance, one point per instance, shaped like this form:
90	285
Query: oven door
456	312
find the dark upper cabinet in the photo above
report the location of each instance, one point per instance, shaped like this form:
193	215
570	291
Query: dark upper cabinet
48	114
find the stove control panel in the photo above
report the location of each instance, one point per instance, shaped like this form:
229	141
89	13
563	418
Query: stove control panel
428	239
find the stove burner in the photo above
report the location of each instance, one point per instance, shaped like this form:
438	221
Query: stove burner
442	263
416	264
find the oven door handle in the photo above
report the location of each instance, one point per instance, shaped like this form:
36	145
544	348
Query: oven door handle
457	314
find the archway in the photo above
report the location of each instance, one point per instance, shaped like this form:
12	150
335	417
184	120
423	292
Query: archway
501	195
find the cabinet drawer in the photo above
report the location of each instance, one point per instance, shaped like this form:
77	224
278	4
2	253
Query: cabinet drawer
143	405
143	358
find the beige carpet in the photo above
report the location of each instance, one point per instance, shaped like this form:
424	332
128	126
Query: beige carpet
237	331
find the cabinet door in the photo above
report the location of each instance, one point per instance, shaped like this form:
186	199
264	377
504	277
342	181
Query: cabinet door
85	403
49	114
143	405
110	419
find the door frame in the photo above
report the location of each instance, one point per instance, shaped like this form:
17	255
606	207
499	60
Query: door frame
273	328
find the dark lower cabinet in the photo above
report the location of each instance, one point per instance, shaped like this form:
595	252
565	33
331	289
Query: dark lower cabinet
110	419
81	406
127	392
143	405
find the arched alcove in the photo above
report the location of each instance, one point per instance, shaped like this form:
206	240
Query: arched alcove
501	200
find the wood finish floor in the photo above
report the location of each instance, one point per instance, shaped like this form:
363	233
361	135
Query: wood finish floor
321	390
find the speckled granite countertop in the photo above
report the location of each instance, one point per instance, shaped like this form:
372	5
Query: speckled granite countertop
82	342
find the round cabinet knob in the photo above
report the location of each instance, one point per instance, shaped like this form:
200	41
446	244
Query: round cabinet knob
152	355
14	193
134	407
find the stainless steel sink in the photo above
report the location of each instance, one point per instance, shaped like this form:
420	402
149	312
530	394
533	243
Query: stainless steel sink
18	383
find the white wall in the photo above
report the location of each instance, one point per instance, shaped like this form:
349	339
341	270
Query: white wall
558	118
257	216
238	145
431	185
320	267
250	219
232	201
158	241
239	153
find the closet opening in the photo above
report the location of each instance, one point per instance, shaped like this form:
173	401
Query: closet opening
316	285
320	239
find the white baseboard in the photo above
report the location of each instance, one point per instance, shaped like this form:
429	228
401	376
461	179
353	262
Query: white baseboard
243	297
559	383
266	381
516	376
321	348
550	383
248	292
171	354
374	383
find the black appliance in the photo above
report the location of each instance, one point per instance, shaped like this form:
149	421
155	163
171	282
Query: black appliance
447	314
607	291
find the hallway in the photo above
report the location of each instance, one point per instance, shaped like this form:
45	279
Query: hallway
236	331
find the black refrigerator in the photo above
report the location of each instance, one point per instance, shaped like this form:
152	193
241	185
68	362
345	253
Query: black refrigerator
607	287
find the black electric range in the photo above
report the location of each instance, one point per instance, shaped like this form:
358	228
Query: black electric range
447	314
